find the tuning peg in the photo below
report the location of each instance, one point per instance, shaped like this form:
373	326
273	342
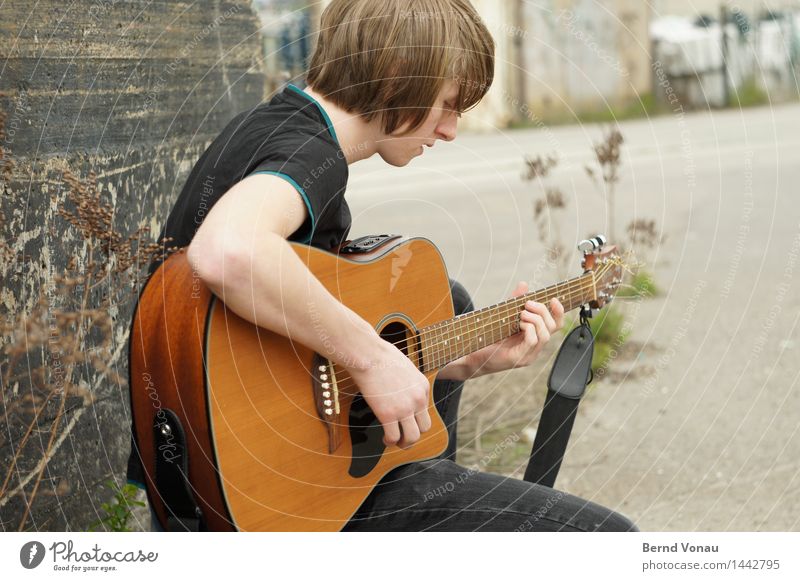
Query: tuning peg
592	244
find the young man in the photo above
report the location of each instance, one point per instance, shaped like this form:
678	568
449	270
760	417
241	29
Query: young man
388	78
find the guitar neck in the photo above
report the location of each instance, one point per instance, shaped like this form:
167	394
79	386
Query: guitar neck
449	340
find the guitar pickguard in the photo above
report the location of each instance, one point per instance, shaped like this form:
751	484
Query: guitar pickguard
366	434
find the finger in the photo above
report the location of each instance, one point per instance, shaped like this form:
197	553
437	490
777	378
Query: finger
410	432
391	433
558	312
423	420
522	288
541	328
544	313
530	340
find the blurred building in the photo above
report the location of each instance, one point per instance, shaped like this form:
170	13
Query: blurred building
722	59
561	57
288	30
553	57
564	59
712	8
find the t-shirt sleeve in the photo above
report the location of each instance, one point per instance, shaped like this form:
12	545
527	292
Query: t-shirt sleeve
317	170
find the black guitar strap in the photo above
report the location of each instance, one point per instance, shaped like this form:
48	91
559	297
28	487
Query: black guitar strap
571	373
172	475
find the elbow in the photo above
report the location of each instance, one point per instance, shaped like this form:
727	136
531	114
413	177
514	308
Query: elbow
218	260
226	260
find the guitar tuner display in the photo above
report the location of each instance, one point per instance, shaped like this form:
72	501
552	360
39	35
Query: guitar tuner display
367	243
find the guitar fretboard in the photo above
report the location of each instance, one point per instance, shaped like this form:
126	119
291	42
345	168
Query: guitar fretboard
449	340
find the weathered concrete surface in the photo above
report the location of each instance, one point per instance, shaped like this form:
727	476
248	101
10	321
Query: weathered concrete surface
134	91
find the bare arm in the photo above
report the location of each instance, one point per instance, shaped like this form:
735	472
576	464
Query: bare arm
240	252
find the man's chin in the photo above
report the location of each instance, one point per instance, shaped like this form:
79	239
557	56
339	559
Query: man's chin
397	161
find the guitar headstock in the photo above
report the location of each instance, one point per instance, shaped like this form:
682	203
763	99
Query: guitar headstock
606	264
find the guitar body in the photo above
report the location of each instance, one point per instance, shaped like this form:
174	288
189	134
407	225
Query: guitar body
263	452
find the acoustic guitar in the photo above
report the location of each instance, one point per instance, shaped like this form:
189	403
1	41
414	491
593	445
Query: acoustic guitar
268	435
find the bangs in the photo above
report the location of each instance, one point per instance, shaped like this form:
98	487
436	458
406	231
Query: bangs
472	65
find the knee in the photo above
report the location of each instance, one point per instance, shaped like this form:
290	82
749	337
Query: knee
618	523
462	302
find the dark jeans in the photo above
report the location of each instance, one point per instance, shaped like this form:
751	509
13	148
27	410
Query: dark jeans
440	495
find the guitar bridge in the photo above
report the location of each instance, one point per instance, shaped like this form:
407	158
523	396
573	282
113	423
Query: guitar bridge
326	399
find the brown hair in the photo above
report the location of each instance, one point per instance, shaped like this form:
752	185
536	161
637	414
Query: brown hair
390	58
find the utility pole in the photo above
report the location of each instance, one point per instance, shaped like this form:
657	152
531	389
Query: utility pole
519	79
723	25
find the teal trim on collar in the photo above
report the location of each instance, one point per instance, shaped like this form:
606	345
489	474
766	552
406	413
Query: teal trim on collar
302	193
321	110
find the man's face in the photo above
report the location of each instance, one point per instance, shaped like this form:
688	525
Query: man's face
398	149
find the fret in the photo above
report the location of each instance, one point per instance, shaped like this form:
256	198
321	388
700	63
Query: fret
463	333
459	334
449	340
431	359
496	328
440	358
482	328
472	329
427	343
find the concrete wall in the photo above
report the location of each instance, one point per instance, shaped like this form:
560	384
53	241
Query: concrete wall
133	90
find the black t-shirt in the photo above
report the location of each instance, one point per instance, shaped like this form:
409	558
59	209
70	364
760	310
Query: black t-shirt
290	137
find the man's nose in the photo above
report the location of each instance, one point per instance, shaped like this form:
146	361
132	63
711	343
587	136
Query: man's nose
446	130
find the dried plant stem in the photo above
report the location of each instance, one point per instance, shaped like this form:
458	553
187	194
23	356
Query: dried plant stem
21	445
53	431
81	335
7	381
608	154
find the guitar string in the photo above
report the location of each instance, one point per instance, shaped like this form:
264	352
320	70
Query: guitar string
576	286
439	350
345	384
513	306
516	303
575	291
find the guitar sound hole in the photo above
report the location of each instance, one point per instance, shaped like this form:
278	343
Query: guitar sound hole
366	432
396	334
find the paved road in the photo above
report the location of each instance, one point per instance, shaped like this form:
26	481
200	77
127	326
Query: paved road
704	433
